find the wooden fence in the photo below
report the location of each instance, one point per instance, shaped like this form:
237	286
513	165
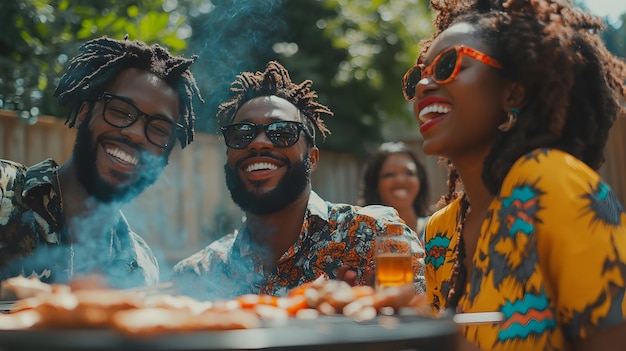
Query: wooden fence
189	205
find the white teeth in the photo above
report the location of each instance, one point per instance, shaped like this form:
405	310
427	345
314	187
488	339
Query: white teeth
400	193
260	166
121	155
438	108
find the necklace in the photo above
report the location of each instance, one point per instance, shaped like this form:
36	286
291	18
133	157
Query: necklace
70	263
459	271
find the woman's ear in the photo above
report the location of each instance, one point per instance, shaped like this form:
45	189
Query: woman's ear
514	96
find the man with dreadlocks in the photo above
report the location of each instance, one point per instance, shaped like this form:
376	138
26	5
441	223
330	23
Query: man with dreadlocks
291	236
130	102
519	96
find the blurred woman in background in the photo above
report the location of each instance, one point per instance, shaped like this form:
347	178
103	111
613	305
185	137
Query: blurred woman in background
394	176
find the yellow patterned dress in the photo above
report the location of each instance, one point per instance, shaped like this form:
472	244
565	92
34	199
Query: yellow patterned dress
551	256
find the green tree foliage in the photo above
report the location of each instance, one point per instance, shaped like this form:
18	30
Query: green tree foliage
355	52
40	36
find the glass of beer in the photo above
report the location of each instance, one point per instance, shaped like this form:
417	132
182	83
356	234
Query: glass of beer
393	261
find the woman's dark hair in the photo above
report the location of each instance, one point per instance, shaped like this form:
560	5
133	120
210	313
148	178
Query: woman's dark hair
574	86
100	60
368	193
275	80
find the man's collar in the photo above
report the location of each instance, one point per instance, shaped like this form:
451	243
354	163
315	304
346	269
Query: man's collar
317	206
43	173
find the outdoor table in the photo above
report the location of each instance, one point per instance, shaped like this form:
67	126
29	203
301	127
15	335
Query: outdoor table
327	333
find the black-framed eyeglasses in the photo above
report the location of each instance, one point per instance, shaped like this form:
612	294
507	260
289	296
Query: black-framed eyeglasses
120	112
281	134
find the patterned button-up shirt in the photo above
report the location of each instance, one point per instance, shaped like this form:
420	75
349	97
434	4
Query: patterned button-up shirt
332	235
35	241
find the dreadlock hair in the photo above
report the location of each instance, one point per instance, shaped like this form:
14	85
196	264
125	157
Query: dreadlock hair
574	85
100	60
275	80
368	194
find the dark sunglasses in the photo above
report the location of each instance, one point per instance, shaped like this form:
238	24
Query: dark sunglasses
120	112
281	134
443	69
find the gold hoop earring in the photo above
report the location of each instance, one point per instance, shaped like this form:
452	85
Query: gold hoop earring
511	120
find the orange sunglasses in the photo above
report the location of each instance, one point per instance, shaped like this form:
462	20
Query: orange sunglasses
444	68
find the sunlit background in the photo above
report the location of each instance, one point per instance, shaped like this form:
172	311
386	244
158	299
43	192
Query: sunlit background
354	51
610	9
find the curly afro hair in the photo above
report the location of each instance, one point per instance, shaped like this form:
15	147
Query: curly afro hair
574	85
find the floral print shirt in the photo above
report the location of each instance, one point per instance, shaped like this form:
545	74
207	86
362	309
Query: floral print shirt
551	257
34	240
332	235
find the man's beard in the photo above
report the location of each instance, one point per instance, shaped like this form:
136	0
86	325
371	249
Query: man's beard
85	154
289	188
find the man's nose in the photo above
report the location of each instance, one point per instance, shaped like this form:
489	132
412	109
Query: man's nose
260	141
136	131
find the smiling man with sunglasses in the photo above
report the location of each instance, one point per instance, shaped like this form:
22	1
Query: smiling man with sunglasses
130	102
291	236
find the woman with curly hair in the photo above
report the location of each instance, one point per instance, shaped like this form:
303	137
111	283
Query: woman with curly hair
394	176
519	97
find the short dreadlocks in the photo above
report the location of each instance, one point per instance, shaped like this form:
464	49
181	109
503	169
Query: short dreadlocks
275	80
574	85
100	60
